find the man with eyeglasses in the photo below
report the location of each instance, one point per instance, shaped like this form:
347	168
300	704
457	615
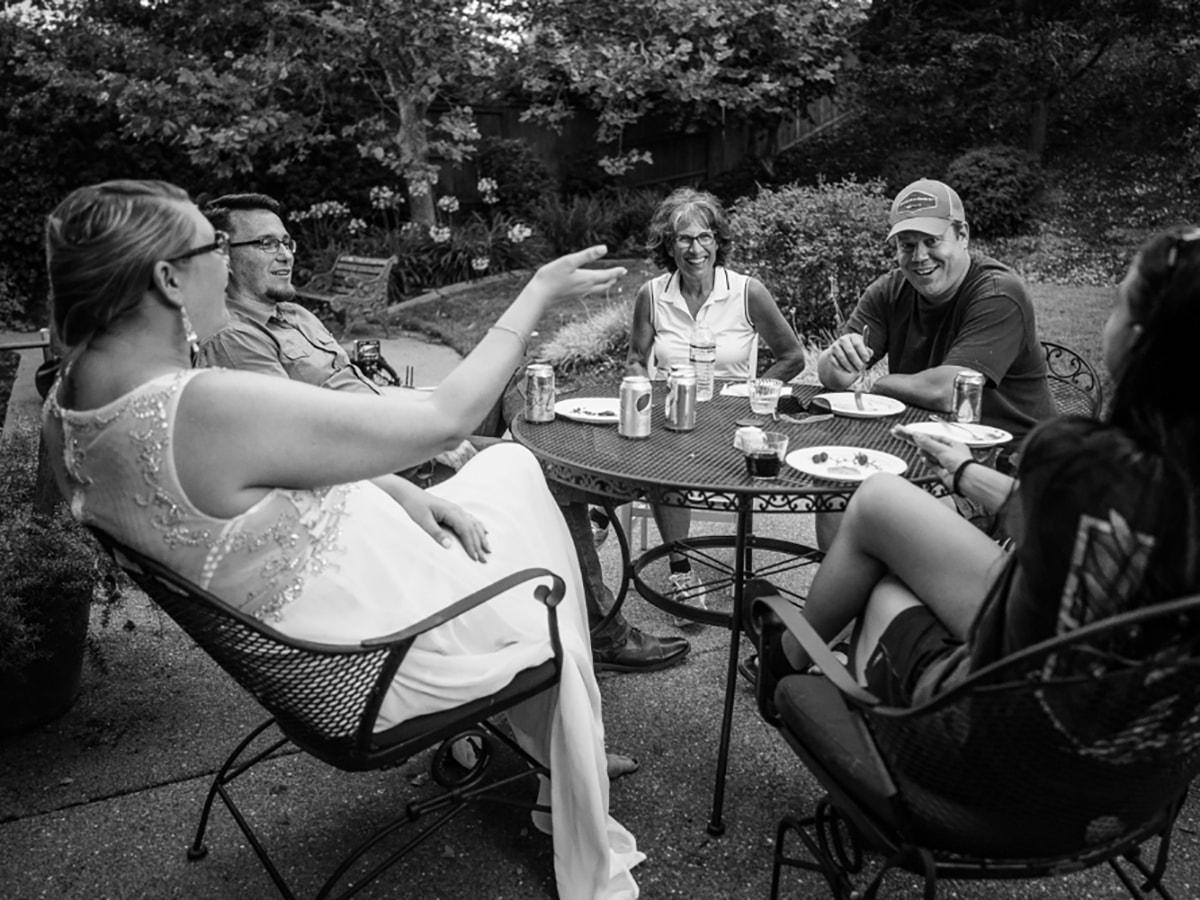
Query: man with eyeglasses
266	332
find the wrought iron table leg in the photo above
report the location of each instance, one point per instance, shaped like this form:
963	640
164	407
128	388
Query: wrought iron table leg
741	562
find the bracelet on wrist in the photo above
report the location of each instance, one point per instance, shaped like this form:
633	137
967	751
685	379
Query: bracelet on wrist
520	337
956	481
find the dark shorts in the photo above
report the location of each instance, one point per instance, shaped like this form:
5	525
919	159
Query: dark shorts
913	641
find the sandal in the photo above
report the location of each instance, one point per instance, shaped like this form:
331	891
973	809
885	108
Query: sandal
748	668
841	650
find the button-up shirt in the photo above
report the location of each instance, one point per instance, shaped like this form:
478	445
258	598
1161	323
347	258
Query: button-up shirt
288	340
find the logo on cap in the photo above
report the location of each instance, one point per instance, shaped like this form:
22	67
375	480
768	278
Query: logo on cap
914	202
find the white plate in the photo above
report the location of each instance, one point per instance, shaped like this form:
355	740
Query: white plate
742	389
596	410
971	435
874	405
844	463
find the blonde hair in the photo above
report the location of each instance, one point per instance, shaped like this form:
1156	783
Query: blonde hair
102	242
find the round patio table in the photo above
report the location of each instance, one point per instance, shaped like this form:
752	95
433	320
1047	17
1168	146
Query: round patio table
701	469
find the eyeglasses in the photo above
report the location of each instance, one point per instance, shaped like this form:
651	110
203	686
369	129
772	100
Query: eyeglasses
220	245
269	244
705	239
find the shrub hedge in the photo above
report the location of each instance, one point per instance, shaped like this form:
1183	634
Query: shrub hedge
1000	188
807	242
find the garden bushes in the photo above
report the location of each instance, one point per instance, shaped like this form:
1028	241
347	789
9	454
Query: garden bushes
807	242
617	218
1000	188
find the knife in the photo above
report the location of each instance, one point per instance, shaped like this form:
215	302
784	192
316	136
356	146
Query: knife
858	381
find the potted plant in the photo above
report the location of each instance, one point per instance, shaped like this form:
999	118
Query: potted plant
49	572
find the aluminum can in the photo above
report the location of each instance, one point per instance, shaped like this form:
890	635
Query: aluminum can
635	407
366	354
539	392
680	405
968	396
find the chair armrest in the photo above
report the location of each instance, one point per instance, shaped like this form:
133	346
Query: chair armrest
549	596
818	651
321	283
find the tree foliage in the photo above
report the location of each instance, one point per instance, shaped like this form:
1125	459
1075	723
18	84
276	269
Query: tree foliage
684	62
293	76
968	72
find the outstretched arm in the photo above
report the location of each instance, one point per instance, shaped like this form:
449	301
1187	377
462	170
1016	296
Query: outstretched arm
240	434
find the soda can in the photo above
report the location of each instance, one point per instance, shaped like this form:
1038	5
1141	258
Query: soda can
968	396
635	407
366	354
539	392
680	405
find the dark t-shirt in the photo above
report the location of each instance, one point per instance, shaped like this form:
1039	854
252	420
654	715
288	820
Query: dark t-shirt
1099	528
989	326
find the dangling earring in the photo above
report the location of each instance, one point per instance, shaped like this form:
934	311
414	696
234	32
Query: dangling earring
189	334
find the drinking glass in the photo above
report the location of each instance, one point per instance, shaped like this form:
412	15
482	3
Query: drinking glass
764	395
765	458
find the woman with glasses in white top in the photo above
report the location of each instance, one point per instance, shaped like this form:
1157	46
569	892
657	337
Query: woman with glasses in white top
689	236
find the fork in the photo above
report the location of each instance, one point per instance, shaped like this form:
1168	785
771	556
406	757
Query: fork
858	382
934	417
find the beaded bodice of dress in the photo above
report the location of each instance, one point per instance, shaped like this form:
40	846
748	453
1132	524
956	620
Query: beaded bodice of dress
116	468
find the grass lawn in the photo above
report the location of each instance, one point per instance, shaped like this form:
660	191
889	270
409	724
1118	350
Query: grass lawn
461	319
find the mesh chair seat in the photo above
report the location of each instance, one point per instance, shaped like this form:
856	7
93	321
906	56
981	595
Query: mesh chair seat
325	699
1062	756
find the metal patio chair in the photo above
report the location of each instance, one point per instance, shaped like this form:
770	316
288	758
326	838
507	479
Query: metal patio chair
1074	384
1071	753
325	699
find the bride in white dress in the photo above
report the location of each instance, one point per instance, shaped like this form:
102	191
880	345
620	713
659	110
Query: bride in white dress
258	489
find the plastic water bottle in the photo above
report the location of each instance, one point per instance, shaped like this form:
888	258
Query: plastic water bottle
702	352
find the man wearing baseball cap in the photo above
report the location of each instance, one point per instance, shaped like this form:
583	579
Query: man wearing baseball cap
942	310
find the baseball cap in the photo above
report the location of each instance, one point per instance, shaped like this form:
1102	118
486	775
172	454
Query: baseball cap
927	206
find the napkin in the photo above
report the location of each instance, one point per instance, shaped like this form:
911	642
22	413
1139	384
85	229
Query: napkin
742	389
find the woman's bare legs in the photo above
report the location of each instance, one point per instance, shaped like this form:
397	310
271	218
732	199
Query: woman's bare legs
891	526
890	598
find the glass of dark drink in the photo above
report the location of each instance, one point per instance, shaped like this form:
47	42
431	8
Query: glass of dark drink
765	460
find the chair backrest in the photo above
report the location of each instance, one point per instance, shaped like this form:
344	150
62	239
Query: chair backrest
324	697
1066	745
1074	385
351	272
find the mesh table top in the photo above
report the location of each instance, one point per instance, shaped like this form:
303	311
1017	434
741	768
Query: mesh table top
702	469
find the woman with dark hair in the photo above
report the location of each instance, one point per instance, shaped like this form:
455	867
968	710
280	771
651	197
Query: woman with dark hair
689	237
256	488
1104	516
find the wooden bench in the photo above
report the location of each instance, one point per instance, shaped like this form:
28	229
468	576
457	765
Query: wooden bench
356	287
